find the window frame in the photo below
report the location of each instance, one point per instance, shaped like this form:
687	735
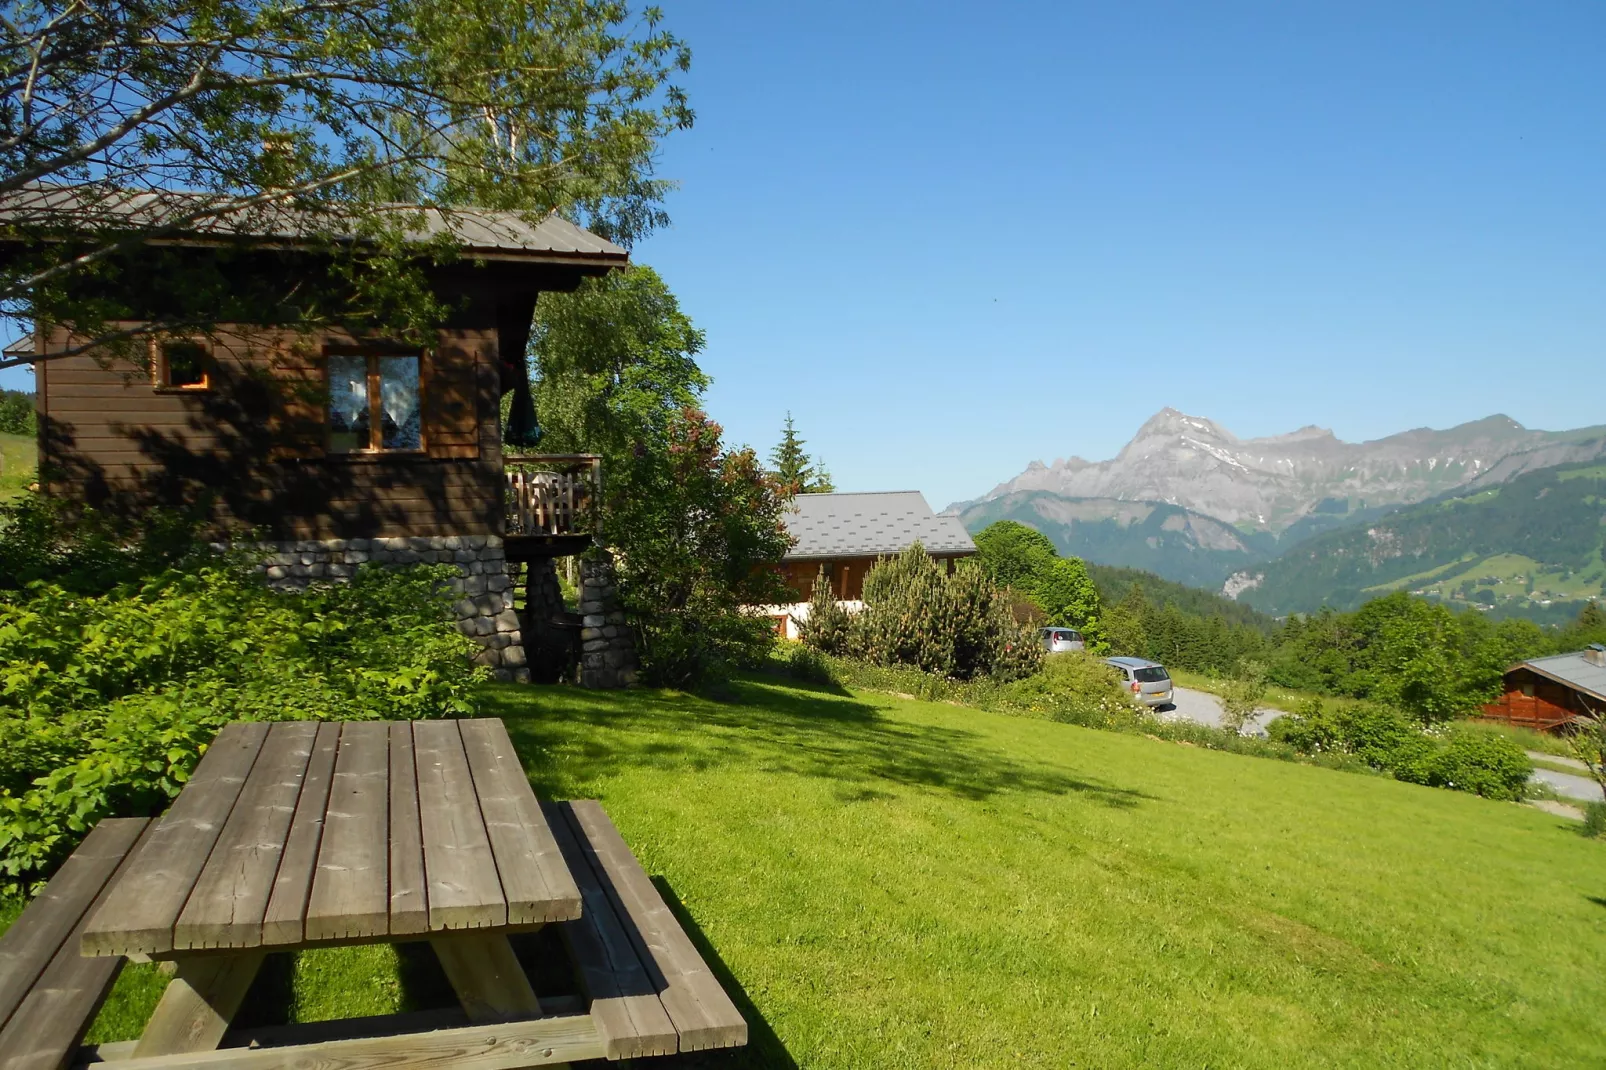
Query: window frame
372	355
159	366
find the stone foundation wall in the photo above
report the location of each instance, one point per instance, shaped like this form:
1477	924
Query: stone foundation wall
608	646
484	610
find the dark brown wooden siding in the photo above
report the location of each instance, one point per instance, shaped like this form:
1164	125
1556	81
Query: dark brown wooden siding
1534	701
253	444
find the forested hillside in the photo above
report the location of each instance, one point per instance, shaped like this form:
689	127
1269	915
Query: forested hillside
1534	544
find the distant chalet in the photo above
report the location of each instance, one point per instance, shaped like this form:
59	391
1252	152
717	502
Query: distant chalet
1547	693
845	534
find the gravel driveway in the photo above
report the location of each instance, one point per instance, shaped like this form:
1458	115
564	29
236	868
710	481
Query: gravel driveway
1205	708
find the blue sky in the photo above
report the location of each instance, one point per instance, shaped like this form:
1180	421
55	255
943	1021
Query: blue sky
954	238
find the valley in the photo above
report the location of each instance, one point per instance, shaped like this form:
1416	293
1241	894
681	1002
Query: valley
1488	514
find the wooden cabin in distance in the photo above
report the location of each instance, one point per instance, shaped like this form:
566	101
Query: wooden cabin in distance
845	534
338	450
1545	694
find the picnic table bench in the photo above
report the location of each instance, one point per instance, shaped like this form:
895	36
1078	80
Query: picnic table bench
301	834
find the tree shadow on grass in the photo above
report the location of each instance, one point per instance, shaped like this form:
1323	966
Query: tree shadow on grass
571	739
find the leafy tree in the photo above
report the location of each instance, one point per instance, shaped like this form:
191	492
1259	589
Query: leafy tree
795	469
1025	561
614	364
699	537
696	526
17	413
318	115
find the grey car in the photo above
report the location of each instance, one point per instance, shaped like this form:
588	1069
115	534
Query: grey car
1061	640
1148	681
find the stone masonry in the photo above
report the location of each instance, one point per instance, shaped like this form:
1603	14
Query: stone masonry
485	606
608	647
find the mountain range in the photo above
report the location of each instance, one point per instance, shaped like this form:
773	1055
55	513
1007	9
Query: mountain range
1192	502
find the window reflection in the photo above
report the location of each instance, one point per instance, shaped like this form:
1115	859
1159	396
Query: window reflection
348	404
398	403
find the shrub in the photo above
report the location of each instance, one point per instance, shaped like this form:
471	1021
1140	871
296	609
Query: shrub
957	625
1074	688
1243	694
1483	763
828	624
1594	825
1464	757
107	699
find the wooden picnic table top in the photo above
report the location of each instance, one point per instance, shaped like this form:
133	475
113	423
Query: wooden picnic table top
303	832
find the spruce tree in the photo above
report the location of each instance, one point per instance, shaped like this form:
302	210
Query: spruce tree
794	468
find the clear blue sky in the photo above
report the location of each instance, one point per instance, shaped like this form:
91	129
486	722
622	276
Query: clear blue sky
954	238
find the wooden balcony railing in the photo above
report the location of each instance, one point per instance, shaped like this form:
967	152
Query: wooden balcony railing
553	494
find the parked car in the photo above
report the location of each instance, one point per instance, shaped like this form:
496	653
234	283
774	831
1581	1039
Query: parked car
1060	640
1150	683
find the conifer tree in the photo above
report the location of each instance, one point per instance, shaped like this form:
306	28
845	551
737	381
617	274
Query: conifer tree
794	468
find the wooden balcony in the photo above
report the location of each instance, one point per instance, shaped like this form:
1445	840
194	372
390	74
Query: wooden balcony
551	504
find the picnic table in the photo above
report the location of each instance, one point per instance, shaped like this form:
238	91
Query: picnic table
298	835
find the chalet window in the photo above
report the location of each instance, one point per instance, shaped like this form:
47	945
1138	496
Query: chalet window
374	403
182	365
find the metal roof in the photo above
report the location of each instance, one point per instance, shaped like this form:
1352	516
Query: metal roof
872	524
503	234
1572	670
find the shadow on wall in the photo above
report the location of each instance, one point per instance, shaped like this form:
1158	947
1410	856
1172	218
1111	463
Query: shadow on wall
231	451
792	729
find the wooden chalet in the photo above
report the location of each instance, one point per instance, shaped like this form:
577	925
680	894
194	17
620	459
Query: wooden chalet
844	535
1546	694
335	450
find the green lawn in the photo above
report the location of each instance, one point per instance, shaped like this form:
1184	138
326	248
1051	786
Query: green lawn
18	464
890	883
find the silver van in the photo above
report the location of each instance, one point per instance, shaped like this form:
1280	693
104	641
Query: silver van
1062	640
1149	682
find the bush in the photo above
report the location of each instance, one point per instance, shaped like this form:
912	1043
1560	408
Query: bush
1483	763
1243	694
1464	757
1594	825
828	624
960	625
1076	689
108	698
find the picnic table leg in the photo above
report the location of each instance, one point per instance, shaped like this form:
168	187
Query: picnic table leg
485	973
199	1003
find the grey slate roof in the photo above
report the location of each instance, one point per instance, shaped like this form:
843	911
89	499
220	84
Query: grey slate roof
1572	670
474	230
870	525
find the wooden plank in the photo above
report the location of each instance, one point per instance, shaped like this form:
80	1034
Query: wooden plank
139	914
198	1003
409	905
463	887
49	1024
230	899
350	891
486	975
703	1014
49	920
500	1046
624	997
535	879
286	911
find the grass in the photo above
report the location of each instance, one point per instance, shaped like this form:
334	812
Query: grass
1527	738
19	461
894	883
